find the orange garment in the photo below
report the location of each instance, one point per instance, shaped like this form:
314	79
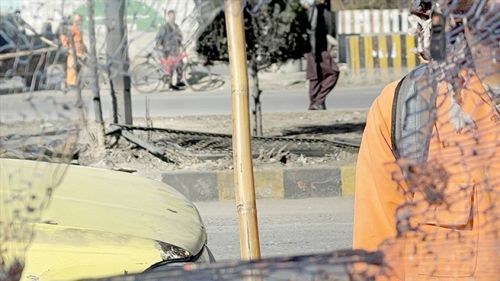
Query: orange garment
71	73
376	194
458	239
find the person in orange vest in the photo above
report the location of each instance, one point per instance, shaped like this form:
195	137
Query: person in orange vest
81	50
427	191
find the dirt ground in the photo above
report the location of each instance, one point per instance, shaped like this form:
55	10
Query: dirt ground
126	156
330	125
324	124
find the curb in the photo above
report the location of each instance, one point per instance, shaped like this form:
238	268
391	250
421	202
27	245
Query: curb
288	183
346	78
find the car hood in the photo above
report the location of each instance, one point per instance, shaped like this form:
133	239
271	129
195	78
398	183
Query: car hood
68	253
109	214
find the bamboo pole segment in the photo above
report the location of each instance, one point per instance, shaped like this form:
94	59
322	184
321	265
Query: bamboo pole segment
242	151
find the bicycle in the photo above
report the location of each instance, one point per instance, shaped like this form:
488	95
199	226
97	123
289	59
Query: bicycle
147	76
86	80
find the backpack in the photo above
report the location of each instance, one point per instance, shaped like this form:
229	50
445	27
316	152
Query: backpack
413	115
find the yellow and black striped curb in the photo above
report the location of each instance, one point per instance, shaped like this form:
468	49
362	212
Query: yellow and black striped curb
381	51
381	57
289	183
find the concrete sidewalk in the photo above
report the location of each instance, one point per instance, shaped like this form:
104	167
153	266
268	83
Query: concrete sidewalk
287	183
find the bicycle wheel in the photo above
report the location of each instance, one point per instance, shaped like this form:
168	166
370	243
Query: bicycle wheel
198	77
146	77
85	80
56	76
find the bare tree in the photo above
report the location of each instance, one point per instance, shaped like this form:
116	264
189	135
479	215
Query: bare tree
275	32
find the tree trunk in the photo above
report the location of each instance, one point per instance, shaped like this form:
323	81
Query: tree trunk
95	78
117	59
255	90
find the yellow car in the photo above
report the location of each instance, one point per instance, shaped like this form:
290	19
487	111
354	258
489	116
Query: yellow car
103	223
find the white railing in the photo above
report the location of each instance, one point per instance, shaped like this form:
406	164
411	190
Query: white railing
372	21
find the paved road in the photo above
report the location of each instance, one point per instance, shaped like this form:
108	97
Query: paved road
287	227
296	100
14	107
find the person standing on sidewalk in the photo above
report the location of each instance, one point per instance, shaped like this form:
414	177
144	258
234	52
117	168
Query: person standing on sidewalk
81	50
322	70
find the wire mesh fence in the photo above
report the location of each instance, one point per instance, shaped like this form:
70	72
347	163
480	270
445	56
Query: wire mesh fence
335	266
446	140
33	126
449	225
55	57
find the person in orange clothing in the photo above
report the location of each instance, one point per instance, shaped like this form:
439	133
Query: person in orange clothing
428	172
81	51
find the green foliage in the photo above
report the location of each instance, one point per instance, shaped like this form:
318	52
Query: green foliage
144	17
275	33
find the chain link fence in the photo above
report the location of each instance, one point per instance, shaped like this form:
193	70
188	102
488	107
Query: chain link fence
447	165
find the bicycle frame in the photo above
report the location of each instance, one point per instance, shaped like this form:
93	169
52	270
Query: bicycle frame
171	62
157	67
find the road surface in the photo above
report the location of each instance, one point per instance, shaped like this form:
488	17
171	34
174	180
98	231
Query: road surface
287	227
169	104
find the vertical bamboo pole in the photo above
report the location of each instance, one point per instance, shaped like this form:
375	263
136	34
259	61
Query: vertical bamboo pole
242	151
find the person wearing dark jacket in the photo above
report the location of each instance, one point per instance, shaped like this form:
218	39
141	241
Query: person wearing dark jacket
169	42
322	71
169	38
